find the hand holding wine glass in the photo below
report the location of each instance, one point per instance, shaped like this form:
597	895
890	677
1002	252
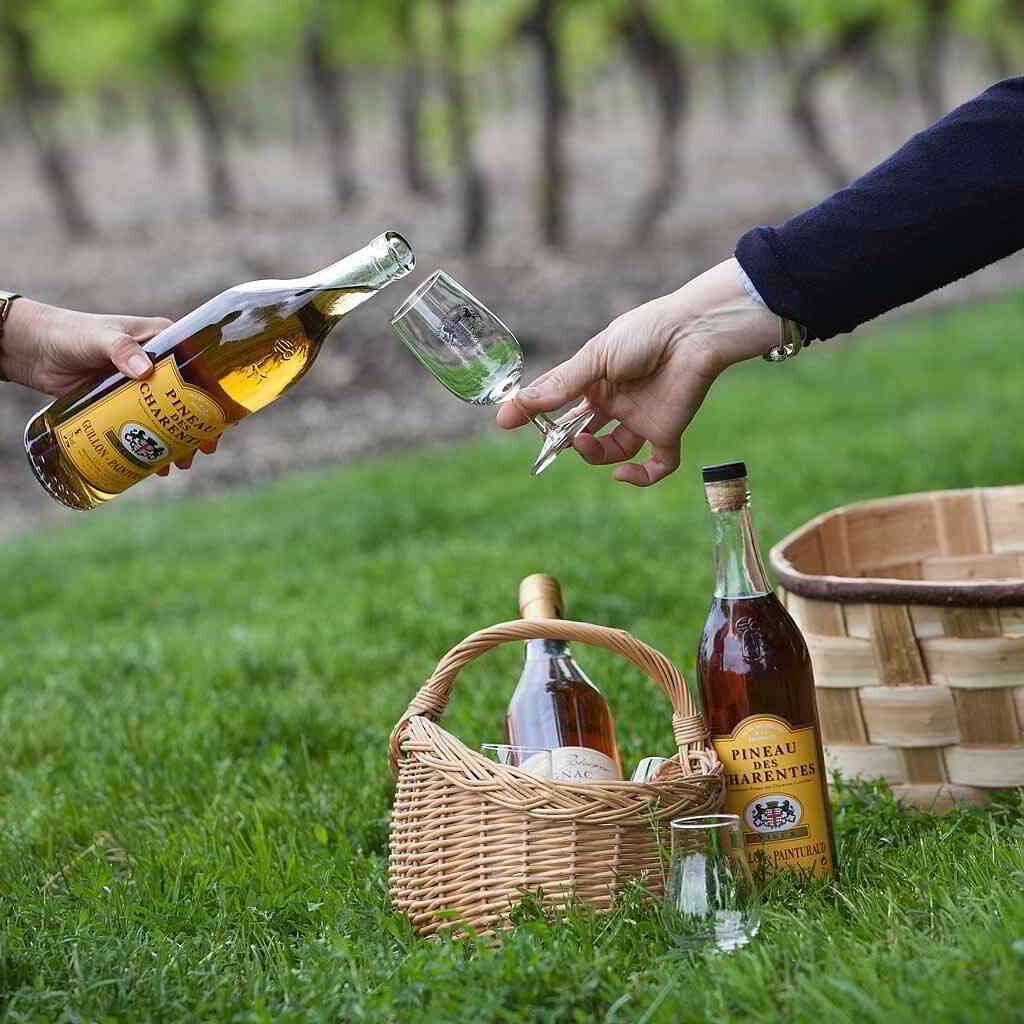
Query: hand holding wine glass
474	355
650	370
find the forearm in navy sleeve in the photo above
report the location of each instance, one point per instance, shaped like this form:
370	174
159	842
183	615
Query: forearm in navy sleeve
950	201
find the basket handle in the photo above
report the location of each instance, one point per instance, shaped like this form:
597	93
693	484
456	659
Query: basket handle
432	698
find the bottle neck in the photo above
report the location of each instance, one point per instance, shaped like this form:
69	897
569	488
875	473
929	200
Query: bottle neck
385	259
540	597
738	568
536	649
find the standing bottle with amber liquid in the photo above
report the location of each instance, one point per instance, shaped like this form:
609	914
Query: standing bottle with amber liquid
758	690
555	705
231	356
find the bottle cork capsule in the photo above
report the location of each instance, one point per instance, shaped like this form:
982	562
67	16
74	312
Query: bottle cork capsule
540	597
725	486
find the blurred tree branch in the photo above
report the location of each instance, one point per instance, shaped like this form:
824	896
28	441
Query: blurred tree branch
929	57
460	131
37	97
656	57
329	90
188	43
411	86
847	41
540	27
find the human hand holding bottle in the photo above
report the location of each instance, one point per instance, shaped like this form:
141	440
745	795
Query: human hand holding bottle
55	350
650	370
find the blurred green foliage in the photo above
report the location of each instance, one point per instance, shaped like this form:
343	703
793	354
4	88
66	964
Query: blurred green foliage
90	44
230	62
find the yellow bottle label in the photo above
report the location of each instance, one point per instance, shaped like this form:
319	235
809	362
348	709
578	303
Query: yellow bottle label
138	428
774	782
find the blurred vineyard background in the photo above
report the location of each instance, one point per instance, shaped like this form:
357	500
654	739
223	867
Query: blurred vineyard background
566	158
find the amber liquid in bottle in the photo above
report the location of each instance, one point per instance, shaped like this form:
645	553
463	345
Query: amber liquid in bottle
555	705
228	358
758	690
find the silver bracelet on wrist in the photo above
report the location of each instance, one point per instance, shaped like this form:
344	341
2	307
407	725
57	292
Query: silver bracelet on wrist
6	301
792	338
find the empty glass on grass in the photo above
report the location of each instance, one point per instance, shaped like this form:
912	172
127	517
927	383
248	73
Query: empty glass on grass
474	354
535	760
711	896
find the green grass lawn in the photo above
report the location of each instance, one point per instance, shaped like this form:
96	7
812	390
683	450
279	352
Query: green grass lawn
195	700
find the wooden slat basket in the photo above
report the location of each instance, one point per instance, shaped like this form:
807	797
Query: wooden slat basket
913	610
469	835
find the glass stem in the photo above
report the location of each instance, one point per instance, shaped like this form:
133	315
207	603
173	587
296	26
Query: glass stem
542	423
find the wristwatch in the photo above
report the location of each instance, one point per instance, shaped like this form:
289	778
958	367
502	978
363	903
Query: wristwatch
6	301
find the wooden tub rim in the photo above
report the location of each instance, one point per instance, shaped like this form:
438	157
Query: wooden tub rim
973	593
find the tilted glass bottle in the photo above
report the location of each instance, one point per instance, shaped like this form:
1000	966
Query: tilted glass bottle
555	705
231	356
758	690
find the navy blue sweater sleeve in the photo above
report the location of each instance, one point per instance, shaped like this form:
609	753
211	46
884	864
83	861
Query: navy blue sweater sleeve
951	200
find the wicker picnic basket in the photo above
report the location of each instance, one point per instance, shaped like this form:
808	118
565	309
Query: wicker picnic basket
468	835
913	610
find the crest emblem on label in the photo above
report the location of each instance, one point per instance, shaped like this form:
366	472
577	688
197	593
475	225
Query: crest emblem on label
773	813
463	318
143	443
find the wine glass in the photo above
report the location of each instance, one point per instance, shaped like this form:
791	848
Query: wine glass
474	354
534	760
711	895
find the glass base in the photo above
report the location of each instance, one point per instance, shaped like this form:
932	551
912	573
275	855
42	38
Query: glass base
559	437
723	932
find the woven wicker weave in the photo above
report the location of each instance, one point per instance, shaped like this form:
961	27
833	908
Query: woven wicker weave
913	610
468	835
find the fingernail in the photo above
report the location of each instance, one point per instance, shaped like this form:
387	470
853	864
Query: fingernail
139	364
529	393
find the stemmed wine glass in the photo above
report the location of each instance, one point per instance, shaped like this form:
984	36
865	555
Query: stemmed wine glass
534	760
474	354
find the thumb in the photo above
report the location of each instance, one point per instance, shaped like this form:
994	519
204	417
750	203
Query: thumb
563	383
127	355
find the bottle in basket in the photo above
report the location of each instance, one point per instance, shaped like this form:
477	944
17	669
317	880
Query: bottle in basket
555	705
758	689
